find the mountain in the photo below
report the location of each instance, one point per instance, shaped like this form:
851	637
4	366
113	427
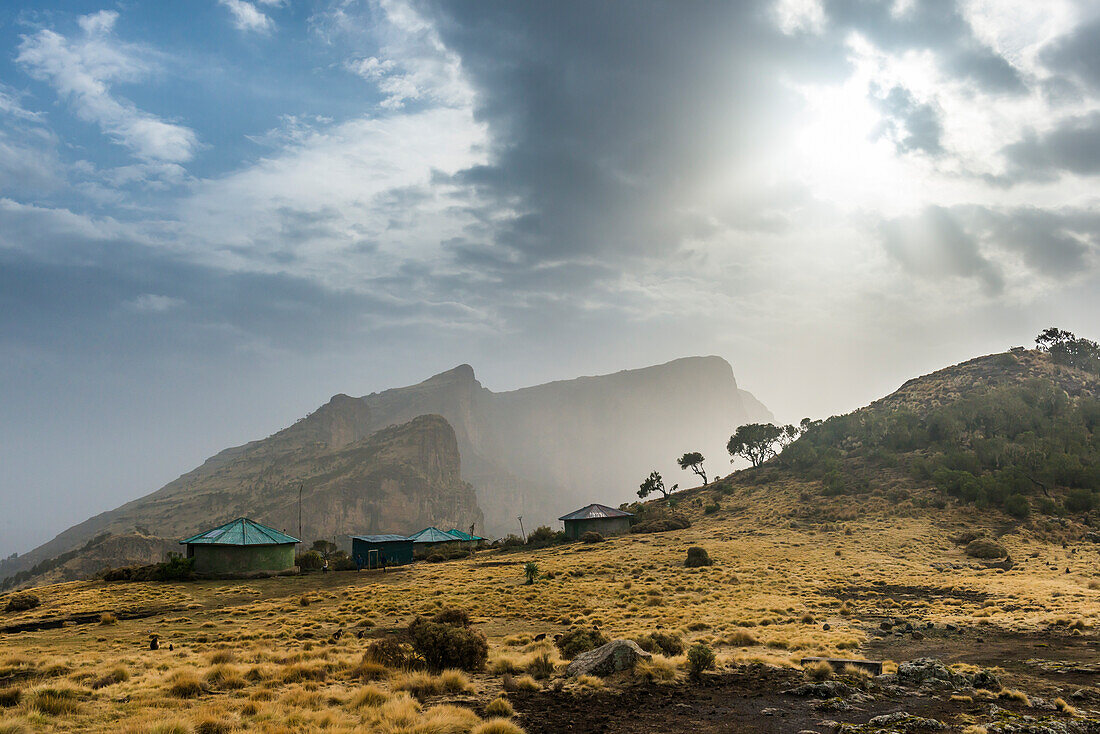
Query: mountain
539	452
353	479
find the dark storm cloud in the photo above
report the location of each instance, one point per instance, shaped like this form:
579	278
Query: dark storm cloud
911	126
1072	146
603	114
1076	54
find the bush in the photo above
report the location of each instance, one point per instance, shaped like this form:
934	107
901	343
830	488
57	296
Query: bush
985	548
579	640
592	537
446	646
700	658
671	521
453	616
697	557
309	561
531	571
1080	500
666	643
1017	506
107	619
711	508
386	652
21	602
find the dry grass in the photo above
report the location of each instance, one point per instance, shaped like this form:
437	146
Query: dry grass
500	707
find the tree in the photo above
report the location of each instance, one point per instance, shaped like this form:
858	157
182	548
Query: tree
1067	349
756	442
654	483
531	571
693	460
324	547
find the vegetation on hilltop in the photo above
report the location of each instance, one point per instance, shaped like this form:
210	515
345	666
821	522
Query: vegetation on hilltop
1002	431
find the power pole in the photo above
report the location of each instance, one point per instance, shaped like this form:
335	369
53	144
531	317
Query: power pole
300	512
521	532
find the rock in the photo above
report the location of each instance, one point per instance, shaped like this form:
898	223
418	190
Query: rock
951	627
917	635
611	658
826	627
985	679
1092	537
887	624
929	671
826	689
769	712
906	722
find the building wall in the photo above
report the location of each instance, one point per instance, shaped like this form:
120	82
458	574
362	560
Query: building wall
396	553
603	525
235	559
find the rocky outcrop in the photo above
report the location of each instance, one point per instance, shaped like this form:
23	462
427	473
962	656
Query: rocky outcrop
615	656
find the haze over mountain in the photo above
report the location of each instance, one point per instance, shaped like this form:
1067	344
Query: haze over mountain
390	461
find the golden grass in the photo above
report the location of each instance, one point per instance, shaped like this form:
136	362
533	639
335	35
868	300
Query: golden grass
500	707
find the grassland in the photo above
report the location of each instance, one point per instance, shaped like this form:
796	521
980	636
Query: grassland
259	655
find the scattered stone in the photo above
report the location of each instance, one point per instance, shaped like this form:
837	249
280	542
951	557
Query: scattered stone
826	627
917	635
951	627
985	679
769	712
613	657
887	624
832	704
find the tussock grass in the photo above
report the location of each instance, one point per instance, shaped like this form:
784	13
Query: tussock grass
500	707
185	684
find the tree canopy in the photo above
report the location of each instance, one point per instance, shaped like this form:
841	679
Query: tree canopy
655	483
693	460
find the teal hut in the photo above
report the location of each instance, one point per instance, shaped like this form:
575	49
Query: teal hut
241	547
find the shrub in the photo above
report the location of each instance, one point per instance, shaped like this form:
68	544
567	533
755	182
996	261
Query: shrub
107	619
741	638
697	556
386	652
1017	506
447	646
453	616
21	602
666	643
985	548
309	561
579	640
592	537
700	658
10	697
531	571
672	521
185	684
499	706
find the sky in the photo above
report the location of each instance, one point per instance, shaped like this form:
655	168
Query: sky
216	214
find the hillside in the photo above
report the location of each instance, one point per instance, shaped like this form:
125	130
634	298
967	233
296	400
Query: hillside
1016	432
401	479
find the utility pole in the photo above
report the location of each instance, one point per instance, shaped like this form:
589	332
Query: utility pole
521	532
300	513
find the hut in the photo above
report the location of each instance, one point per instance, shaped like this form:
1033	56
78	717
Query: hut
374	551
596	518
241	547
429	537
467	538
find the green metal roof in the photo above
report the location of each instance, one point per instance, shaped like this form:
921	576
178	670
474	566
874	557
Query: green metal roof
241	531
433	535
464	536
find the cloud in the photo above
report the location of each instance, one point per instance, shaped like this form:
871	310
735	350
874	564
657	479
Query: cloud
82	69
1073	145
1077	54
247	17
934	244
151	302
910	125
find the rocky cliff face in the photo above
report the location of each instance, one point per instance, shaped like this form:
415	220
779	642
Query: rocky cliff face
542	451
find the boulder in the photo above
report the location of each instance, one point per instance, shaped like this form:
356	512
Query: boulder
929	671
611	658
906	722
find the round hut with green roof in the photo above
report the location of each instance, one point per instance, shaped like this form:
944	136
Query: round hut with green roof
241	547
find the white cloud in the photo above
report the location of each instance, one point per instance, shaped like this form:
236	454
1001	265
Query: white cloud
82	69
799	16
153	303
247	17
